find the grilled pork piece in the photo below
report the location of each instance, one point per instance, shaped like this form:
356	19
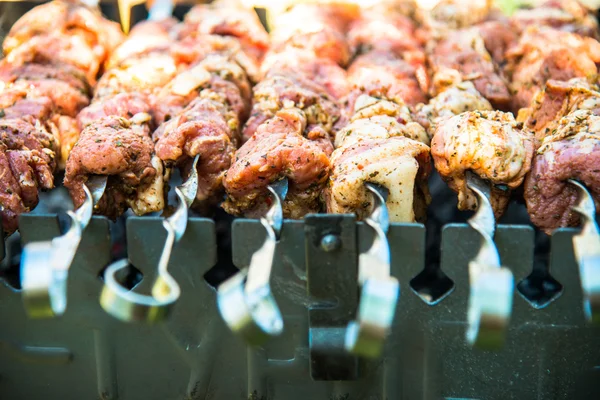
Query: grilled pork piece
557	100
571	151
226	20
318	27
122	149
285	90
456	100
63	33
566	15
448	15
545	53
462	56
488	143
279	149
384	161
376	118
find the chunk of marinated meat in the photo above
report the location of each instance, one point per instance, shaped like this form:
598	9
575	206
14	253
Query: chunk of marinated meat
279	91
462	56
322	71
279	150
68	17
146	75
397	163
498	36
123	105
544	53
225	20
16	103
376	118
122	150
488	143
570	152
384	75
217	73
194	49
447	15
207	127
382	28
454	101
10	73
18	134
568	15
11	198
58	49
146	37
316	27
557	100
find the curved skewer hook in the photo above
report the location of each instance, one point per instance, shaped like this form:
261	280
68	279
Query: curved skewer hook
126	305
491	285
245	300
45	265
379	291
587	251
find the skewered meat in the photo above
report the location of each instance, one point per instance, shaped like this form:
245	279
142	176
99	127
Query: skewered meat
122	149
566	15
146	37
318	27
454	14
225	20
278	91
544	53
216	72
65	19
386	162
565	118
461	56
322	71
279	149
572	151
379	119
456	100
382	74
557	100
488	143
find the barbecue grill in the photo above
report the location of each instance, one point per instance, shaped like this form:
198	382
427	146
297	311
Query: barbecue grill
415	336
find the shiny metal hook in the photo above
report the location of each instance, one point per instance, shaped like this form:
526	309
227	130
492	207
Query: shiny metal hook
45	265
245	300
126	305
491	285
587	252
379	291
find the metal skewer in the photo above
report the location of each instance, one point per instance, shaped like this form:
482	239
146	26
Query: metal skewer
159	10
245	300
126	305
45	265
587	252
491	285
379	291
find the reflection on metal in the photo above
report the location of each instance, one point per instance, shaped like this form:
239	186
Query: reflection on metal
586	246
379	291
491	285
245	300
45	265
126	305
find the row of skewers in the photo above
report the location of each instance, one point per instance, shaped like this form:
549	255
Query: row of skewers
339	119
